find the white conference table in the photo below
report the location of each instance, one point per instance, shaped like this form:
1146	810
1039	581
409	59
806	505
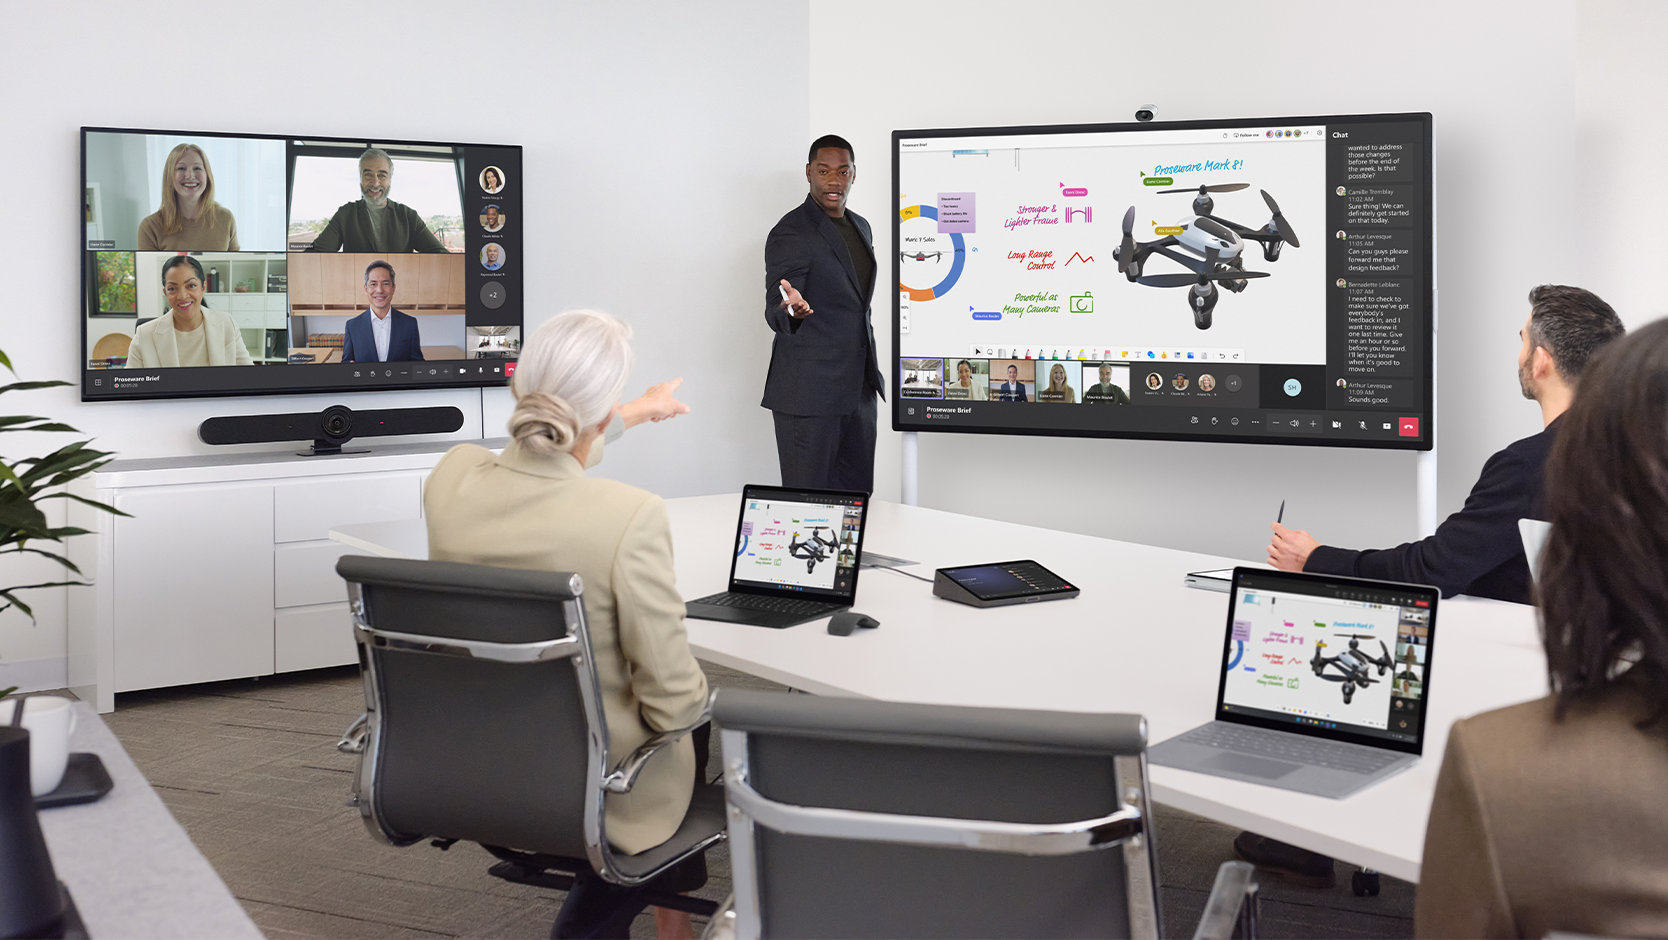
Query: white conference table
1135	640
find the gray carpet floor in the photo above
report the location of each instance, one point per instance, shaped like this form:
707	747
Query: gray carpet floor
250	769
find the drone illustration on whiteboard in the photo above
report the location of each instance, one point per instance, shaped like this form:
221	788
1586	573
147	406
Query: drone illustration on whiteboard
1212	248
812	550
1352	665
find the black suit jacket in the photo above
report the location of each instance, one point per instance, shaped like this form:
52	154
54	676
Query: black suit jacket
825	363
404	343
1476	551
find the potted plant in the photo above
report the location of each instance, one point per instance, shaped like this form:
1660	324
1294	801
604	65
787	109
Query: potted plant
30	481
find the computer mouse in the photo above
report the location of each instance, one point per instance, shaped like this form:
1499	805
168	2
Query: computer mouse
842	623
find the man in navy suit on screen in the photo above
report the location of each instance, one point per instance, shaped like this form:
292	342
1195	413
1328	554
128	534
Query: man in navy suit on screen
381	334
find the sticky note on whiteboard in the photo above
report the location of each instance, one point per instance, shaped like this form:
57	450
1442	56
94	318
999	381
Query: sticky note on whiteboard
1242	630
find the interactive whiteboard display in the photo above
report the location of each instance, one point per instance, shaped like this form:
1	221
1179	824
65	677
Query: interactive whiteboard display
1249	280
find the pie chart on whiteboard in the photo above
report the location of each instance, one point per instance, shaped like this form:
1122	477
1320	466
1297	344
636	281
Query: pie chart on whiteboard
930	261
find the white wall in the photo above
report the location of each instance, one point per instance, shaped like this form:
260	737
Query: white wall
661	141
664	138
1622	131
1509	190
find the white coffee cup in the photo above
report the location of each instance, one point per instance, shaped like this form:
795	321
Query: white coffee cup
49	719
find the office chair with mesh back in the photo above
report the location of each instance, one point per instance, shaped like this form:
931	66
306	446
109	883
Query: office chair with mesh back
857	818
483	723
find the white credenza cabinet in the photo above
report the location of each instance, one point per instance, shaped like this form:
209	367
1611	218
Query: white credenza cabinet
225	569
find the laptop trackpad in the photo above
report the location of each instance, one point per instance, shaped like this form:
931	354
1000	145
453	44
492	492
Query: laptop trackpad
1251	766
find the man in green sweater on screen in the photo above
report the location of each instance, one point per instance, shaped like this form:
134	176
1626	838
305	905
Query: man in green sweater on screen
374	222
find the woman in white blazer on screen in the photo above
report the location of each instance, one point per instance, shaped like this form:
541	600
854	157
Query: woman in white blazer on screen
189	334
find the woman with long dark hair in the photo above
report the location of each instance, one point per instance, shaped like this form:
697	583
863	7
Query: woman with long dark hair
1552	816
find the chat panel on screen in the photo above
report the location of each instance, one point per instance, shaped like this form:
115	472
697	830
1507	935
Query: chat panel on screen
1291	256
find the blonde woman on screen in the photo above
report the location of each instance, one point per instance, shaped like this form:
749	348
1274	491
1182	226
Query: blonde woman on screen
189	219
1059	390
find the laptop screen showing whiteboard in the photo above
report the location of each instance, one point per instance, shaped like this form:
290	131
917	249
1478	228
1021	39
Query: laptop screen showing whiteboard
805	541
1290	664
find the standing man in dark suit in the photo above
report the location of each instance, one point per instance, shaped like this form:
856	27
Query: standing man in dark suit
819	277
381	334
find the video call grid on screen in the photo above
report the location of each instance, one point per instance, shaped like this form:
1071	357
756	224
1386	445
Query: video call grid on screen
285	263
1279	627
1007	243
807	545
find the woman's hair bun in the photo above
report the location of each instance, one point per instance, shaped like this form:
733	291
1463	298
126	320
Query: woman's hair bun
544	423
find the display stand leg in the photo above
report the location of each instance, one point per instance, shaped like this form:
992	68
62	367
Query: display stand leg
911	467
1424	491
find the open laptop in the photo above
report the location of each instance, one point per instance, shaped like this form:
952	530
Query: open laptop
1323	686
796	557
1534	533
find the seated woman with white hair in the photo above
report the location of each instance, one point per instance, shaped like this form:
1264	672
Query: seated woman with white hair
534	507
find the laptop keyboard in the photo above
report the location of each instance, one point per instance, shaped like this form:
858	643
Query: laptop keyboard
1332	755
782	605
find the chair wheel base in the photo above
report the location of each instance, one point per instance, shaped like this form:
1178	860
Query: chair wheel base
538	878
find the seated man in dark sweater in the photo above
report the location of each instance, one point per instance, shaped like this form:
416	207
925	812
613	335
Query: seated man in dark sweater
374	222
1477	550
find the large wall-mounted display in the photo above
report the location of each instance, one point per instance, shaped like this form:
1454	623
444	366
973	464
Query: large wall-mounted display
236	264
1262	280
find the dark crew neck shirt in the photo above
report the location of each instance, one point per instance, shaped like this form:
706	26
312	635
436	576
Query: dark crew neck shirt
861	258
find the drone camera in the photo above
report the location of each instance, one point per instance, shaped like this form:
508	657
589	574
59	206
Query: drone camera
1144	113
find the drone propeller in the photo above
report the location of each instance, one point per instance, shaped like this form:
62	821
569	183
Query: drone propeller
1280	223
1126	248
1356	636
1217	188
1188	280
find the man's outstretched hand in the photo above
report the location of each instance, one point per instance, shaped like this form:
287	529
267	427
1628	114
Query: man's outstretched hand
795	305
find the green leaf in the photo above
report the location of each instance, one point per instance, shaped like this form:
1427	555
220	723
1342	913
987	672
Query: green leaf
26	386
16	603
46	584
88	502
4	361
41	551
55	426
25	515
63	459
6	475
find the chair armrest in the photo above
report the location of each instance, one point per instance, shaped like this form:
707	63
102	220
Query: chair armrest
353	739
722	926
624	776
1231	910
